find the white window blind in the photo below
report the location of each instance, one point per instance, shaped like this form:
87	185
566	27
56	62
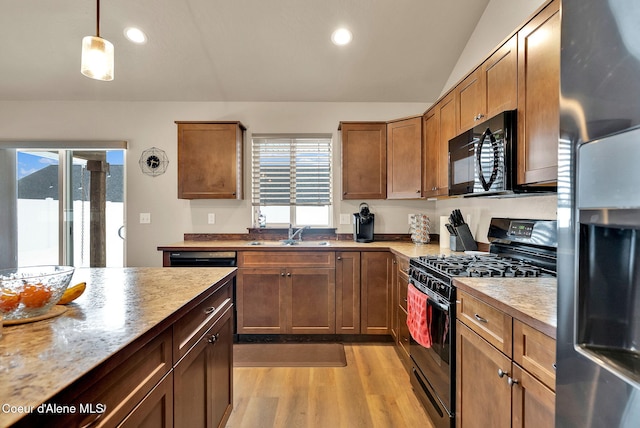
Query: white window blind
291	170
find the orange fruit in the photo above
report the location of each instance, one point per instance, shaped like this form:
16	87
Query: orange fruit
35	296
9	300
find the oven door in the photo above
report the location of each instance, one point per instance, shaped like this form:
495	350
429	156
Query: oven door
434	366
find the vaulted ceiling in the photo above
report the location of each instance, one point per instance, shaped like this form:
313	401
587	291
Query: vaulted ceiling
237	50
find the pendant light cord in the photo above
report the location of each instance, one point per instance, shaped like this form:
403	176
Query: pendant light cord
98	20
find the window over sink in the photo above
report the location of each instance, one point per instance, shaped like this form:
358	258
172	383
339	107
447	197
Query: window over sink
291	179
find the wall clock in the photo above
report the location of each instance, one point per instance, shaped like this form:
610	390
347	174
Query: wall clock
153	161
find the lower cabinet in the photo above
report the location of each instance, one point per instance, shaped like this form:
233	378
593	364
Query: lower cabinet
179	374
156	410
493	388
286	293
375	292
314	292
202	380
399	311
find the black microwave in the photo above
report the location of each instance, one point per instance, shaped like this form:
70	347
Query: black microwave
482	160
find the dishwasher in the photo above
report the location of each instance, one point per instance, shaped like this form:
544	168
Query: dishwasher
208	259
202	259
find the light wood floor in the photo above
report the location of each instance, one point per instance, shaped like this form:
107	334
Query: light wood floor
373	390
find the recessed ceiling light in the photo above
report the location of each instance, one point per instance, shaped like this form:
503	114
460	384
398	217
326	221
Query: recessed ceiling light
136	35
341	37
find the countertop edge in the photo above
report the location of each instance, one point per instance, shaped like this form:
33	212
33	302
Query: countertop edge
514	312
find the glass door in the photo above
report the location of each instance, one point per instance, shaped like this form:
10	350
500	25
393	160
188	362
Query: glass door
70	207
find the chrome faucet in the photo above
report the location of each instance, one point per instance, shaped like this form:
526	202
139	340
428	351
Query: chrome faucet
293	234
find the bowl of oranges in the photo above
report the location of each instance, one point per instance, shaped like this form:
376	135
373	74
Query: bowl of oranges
28	292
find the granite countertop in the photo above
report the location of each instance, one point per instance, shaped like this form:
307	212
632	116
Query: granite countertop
40	359
402	248
530	300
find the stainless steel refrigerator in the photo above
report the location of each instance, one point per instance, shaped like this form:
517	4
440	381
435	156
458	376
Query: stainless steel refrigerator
598	337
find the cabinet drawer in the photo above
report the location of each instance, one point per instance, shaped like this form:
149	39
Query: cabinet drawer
324	259
188	329
490	323
535	352
122	388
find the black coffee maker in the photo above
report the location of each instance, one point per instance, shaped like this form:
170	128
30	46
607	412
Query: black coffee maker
363	224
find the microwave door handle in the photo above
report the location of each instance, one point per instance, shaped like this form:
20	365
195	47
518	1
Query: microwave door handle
496	160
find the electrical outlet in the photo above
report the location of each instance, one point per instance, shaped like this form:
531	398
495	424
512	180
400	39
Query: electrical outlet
145	218
410	218
211	218
345	219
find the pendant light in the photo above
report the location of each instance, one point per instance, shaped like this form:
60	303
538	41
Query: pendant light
97	55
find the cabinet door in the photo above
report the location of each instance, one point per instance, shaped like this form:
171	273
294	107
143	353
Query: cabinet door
221	363
348	292
404	155
156	410
202	379
364	160
210	160
376	273
483	398
447	130
311	301
538	97
431	152
259	292
533	403
500	76
470	101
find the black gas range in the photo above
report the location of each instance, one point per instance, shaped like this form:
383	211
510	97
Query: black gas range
519	249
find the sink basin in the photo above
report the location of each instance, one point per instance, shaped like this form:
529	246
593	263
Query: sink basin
289	242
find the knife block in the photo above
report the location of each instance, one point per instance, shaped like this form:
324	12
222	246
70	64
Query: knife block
464	233
455	243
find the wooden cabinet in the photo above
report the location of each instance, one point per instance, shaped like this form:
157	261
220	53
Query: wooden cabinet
348	292
404	154
155	410
490	89
538	97
364	160
504	375
202	381
399	311
210	158
286	292
439	126
376	271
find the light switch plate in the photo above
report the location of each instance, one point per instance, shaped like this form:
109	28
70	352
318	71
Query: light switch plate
211	218
345	219
410	218
145	218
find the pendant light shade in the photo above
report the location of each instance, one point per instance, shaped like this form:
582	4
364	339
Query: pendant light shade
97	55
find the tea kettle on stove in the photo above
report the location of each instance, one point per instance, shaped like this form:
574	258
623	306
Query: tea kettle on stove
363	222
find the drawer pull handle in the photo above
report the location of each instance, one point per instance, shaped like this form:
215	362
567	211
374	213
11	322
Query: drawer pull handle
501	373
339	258
213	338
479	318
93	421
511	381
210	310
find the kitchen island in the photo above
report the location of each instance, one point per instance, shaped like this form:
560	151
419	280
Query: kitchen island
129	320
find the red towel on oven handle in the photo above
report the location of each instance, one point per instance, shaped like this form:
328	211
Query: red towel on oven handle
418	316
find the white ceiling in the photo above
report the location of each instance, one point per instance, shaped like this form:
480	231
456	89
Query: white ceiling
237	50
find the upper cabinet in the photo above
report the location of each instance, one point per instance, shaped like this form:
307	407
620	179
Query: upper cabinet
490	89
210	156
439	126
539	98
364	160
404	158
